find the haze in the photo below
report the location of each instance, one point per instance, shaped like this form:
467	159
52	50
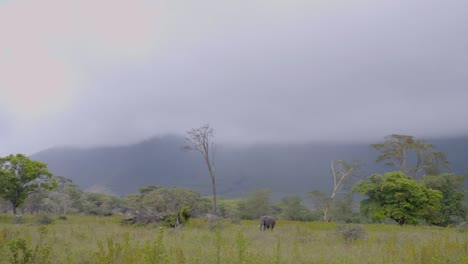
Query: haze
94	72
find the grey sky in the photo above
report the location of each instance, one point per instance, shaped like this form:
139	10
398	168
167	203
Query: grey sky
263	71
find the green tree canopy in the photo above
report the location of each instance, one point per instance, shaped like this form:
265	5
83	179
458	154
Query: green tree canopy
454	209
398	197
20	176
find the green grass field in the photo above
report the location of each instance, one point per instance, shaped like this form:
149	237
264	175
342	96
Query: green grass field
90	239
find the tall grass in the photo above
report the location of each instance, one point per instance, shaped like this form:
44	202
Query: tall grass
92	239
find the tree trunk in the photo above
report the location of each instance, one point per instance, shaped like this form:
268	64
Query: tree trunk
213	179
325	214
214	194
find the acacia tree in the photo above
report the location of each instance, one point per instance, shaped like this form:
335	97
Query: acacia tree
201	140
66	196
171	200
401	150
172	206
20	176
398	197
342	172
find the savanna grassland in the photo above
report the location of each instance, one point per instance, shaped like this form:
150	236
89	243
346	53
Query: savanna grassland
93	239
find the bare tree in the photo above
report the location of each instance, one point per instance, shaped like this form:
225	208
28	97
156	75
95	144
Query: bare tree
342	173
201	140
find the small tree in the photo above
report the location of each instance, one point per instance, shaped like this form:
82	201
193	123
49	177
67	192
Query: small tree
342	209
35	201
342	173
101	204
323	201
201	140
411	157
20	176
256	205
66	197
293	209
400	198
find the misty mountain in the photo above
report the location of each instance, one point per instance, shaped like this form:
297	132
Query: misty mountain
287	169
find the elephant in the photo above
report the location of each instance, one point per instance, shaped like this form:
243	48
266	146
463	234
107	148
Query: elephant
267	222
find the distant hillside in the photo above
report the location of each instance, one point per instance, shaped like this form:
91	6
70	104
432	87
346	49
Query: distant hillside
285	169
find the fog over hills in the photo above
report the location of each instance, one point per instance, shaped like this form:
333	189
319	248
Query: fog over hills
287	169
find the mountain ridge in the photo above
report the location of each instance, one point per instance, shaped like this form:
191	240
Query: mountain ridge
286	169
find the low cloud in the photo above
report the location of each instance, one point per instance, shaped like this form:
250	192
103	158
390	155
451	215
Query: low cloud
113	72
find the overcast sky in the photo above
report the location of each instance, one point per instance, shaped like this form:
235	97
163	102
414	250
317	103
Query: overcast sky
95	72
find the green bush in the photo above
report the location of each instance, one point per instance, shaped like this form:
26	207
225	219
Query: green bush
44	220
351	232
20	253
63	217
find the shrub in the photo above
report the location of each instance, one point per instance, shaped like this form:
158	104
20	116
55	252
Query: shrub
44	220
463	227
63	217
18	219
20	253
351	232
235	220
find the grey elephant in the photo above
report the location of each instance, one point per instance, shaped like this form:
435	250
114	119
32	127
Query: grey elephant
267	222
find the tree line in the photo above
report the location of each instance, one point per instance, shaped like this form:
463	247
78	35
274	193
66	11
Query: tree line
418	188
